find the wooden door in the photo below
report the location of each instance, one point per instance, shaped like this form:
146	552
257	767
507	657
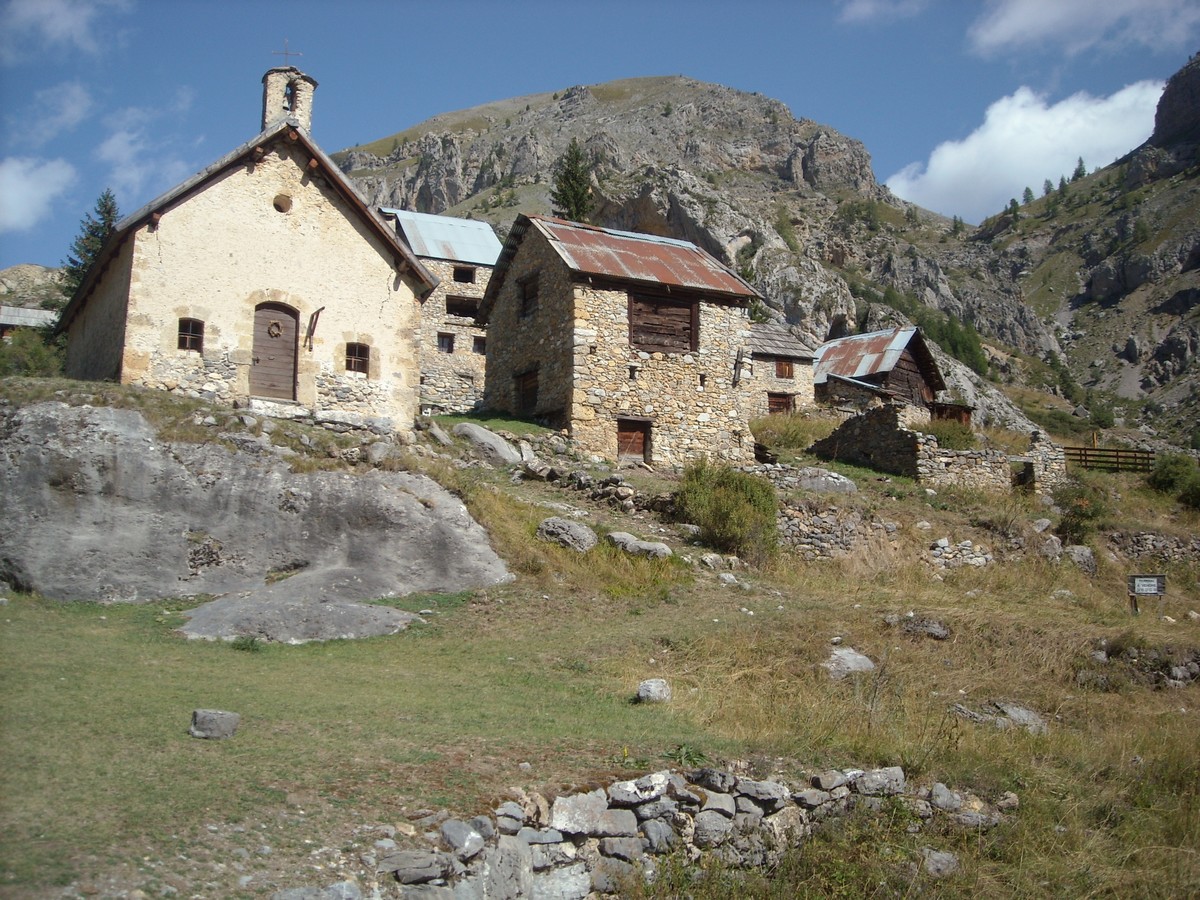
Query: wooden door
633	439
273	368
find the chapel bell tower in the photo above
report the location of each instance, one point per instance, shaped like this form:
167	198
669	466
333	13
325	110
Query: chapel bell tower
287	94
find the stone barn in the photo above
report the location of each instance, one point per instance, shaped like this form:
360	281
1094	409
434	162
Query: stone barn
263	279
782	371
633	343
461	254
895	365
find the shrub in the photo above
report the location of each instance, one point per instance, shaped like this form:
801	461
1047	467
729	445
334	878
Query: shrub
30	352
1084	504
1189	494
1171	472
952	435
735	511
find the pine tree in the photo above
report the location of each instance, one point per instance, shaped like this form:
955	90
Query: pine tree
1027	197
1080	170
1047	187
1014	209
94	230
572	193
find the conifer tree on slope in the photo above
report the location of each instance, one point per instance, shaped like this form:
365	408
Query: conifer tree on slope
94	229
572	194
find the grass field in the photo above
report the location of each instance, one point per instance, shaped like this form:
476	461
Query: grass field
529	685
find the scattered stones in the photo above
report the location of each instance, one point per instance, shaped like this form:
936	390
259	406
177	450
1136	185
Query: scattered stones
1003	714
214	724
938	863
654	690
845	661
638	547
918	626
572	535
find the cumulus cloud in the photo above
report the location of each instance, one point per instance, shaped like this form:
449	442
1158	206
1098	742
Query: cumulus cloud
28	187
859	11
140	167
28	27
54	111
1079	25
1023	141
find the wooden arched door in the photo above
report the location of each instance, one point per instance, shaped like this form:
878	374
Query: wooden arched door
273	368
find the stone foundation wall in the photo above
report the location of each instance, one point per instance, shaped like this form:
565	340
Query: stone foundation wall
987	470
876	439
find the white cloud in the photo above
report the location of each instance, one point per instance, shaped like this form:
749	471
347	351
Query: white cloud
27	189
856	11
139	167
28	27
1079	25
1024	141
54	111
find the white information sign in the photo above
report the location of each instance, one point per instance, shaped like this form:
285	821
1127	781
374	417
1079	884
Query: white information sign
1147	584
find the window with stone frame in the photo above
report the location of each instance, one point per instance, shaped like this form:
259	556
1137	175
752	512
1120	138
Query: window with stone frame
445	342
358	358
663	324
527	290
783	368
525	392
464	274
479	345
191	335
466	307
780	403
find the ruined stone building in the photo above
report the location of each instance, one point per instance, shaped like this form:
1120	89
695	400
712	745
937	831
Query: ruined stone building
262	279
461	254
633	343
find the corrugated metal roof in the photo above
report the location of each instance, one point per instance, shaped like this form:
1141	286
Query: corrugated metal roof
447	237
645	258
22	317
768	339
860	355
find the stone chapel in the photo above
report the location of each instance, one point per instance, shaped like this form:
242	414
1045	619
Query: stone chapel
263	280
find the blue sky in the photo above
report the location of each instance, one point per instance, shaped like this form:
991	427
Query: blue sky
961	104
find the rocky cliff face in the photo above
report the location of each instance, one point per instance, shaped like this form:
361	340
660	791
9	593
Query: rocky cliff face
31	286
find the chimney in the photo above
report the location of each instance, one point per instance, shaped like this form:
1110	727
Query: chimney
287	94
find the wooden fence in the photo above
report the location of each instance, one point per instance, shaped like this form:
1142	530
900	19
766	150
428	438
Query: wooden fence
1109	459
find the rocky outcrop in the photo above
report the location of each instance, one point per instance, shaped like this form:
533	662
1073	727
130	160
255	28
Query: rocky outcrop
1177	119
31	286
291	556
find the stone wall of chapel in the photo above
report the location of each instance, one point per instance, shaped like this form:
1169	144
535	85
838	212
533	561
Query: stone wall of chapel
95	335
542	340
451	382
217	254
761	380
694	408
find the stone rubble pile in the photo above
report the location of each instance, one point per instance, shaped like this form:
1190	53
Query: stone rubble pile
945	555
603	840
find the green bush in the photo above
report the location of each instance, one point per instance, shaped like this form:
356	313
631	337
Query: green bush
30	352
952	435
1171	472
1084	504
735	511
1189	495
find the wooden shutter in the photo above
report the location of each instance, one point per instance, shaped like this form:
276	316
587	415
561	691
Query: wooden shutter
659	325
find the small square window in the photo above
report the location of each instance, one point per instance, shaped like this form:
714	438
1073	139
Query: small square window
445	342
479	345
462	306
358	358
783	368
191	335
464	274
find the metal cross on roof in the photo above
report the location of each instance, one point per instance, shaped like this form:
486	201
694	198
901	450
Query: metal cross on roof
285	52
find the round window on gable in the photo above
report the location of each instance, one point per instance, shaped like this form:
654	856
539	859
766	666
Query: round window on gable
282	203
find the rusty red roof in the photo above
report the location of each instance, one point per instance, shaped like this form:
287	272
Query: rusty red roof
864	355
628	256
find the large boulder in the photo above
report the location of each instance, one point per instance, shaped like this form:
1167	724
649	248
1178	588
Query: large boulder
97	508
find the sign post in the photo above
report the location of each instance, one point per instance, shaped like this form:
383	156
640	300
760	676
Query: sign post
1145	586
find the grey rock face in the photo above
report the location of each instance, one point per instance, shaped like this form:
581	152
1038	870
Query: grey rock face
824	481
712	828
416	866
213	724
570	534
464	840
1081	556
488	444
643	790
938	863
201	519
884	782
